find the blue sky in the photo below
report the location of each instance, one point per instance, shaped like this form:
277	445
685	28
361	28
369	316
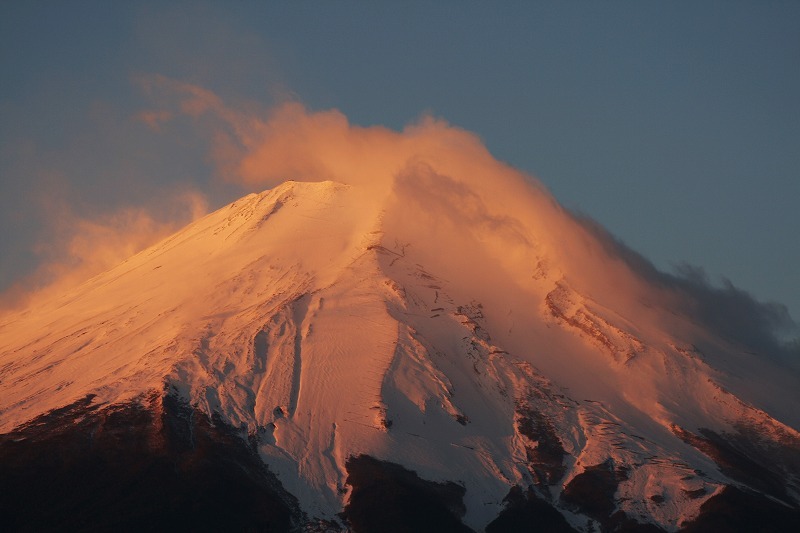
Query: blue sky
676	125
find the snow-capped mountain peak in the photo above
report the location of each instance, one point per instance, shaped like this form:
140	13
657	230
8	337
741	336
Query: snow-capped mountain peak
482	339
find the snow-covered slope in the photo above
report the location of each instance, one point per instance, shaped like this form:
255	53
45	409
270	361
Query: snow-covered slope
427	327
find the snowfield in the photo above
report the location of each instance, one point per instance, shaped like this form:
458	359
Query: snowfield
435	331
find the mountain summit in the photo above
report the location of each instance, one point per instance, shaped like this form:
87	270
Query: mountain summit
433	355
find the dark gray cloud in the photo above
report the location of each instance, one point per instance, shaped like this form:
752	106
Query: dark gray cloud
765	328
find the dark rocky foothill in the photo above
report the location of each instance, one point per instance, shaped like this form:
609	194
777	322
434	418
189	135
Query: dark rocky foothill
389	498
149	465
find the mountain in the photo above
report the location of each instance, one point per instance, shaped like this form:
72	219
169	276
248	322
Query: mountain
433	356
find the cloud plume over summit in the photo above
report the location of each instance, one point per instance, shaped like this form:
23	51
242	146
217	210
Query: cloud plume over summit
429	171
448	169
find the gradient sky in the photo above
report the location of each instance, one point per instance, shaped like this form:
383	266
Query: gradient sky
676	125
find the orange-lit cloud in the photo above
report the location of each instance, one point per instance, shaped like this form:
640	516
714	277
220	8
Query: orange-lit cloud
429	174
77	248
432	165
154	119
262	149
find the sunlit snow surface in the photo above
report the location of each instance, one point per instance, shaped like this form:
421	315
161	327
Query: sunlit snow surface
425	328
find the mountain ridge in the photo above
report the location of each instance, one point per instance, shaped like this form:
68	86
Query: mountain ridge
426	327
